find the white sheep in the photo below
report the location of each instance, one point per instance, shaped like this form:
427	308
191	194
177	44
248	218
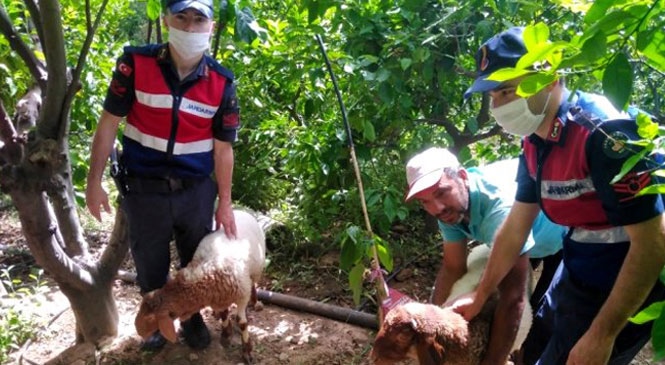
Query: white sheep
476	262
436	335
222	272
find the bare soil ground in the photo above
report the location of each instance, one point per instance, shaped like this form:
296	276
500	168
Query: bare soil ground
280	336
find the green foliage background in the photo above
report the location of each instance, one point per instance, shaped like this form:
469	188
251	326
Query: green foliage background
402	66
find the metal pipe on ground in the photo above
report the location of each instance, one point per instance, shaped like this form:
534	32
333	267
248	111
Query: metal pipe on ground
341	314
346	315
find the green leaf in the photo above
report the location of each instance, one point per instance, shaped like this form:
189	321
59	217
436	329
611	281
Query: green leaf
628	165
608	24
662	275
385	258
383	74
653	47
646	128
535	35
597	10
354	232
226	11
618	81
352	247
539	53
372	197
368	131
356	282
153	9
405	63
472	124
658	337
247	29
648	314
507	73
350	255
594	48
652	189
464	155
389	207
532	84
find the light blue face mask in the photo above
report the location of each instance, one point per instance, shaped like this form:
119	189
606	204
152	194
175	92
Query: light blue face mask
516	117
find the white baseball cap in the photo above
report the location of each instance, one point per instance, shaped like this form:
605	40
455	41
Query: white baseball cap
425	169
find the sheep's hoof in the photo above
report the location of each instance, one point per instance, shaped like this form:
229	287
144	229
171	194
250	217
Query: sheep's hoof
258	306
227	331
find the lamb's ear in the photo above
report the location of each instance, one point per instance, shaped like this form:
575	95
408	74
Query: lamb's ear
167	328
429	351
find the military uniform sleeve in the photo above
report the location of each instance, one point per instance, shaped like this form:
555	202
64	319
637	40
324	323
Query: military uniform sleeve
526	186
606	152
120	94
227	120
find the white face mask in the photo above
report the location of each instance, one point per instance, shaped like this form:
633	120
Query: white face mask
189	45
516	117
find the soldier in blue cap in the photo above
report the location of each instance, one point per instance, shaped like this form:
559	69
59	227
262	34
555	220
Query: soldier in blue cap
573	144
182	117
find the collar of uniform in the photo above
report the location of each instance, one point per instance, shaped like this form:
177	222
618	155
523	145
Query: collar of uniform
557	131
556	134
164	58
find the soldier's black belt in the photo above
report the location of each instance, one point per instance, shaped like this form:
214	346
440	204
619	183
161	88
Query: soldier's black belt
157	186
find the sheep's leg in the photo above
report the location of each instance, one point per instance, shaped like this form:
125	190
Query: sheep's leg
253	297
227	326
246	341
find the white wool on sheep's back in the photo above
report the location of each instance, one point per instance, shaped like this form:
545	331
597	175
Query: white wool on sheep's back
218	254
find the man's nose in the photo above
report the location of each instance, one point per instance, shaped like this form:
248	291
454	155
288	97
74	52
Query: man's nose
189	25
437	207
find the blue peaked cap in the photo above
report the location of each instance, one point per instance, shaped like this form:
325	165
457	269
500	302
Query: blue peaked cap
501	51
203	6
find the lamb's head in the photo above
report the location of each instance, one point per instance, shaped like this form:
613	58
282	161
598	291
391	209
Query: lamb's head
396	337
419	331
153	315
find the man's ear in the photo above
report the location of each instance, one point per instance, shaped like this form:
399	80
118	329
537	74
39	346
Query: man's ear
462	173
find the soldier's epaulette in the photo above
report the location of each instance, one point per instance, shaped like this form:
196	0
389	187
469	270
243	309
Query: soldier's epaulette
584	118
145	50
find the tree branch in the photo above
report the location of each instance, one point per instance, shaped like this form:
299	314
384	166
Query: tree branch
41	234
12	151
85	49
51	115
35	67
35	16
116	251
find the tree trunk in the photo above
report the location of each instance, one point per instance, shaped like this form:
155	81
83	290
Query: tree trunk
87	284
95	311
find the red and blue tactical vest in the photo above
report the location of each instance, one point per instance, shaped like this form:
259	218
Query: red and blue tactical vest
168	133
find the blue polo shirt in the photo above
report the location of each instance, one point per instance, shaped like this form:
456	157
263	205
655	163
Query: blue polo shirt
491	195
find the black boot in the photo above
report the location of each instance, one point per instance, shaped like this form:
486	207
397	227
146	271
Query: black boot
195	332
153	343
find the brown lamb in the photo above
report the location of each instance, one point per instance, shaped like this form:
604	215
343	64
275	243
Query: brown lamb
222	272
433	335
438	336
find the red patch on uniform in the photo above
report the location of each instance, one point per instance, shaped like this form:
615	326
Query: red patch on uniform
554	134
630	185
124	69
230	120
117	88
